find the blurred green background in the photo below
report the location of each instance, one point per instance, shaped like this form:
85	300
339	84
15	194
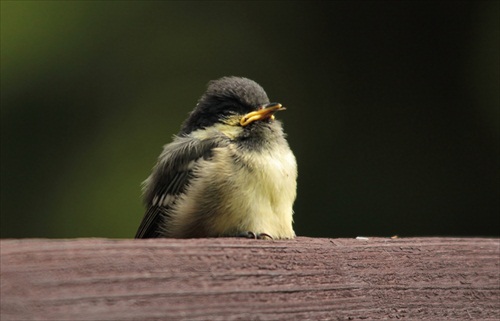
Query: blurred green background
393	108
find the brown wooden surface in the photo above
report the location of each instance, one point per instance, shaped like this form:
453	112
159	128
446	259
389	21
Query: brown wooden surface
240	279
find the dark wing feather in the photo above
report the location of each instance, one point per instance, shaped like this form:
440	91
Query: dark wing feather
169	179
153	218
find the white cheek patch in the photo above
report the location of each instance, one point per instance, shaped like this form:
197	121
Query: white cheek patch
229	130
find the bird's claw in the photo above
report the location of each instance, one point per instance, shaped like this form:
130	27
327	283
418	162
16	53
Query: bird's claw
264	236
251	235
256	236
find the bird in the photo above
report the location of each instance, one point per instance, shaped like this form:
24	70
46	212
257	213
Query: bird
229	172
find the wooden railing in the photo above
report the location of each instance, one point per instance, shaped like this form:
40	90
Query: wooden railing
242	279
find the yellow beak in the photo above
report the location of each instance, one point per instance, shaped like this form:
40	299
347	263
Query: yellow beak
264	112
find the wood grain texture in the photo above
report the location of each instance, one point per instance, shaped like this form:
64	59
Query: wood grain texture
240	279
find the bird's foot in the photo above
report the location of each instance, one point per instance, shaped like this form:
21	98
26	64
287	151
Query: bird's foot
264	236
258	236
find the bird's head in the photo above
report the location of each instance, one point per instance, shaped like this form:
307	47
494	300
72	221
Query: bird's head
233	103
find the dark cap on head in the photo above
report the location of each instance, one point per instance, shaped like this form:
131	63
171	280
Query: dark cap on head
223	97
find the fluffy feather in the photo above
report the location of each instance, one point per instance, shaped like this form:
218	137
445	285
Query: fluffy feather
218	178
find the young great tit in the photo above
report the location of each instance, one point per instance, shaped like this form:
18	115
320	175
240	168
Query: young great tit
228	172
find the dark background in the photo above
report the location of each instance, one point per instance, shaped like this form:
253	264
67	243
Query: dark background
393	108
